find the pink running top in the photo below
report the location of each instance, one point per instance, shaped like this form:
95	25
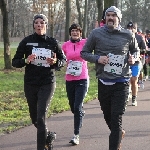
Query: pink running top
72	52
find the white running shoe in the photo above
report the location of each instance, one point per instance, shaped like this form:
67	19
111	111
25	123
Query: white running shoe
134	103
142	85
75	140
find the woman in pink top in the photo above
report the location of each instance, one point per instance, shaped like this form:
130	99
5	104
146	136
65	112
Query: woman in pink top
76	77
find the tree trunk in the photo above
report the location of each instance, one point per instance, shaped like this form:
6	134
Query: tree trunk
116	3
51	20
7	52
100	6
1	28
84	33
79	13
108	3
68	19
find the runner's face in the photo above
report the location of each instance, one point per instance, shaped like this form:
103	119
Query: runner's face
75	34
40	26
112	20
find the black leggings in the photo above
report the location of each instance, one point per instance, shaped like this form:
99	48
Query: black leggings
38	99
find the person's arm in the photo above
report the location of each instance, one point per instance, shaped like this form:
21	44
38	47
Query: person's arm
134	49
143	45
19	61
87	51
61	58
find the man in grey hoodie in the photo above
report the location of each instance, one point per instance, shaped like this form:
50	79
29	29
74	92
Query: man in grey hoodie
112	48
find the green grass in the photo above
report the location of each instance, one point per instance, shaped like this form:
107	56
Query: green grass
12	45
14	109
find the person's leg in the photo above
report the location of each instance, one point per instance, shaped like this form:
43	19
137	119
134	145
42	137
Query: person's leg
147	66
104	97
113	101
145	70
134	85
70	89
88	84
140	79
45	95
31	96
80	92
130	91
118	103
76	91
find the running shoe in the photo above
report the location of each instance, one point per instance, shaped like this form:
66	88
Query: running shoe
51	136
134	102
75	140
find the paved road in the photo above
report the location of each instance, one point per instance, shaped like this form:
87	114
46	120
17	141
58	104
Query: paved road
94	134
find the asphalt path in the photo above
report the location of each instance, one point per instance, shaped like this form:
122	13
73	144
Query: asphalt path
94	134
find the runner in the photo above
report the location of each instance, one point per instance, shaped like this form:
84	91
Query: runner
77	77
143	49
136	68
39	54
111	48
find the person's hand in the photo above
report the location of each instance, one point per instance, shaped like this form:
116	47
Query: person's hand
52	61
30	58
103	60
131	59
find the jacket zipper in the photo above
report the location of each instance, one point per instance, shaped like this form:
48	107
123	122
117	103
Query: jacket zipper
74	47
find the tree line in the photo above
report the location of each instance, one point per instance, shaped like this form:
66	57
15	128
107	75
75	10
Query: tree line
17	17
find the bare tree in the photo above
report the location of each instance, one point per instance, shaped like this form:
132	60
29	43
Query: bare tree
82	9
116	3
1	27
100	6
7	52
85	19
108	3
79	12
136	12
21	14
68	19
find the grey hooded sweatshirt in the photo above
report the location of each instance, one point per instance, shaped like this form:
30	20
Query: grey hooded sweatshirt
116	44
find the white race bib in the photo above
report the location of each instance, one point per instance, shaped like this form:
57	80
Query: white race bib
115	64
74	68
41	55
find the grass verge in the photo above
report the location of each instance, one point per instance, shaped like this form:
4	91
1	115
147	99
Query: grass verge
14	109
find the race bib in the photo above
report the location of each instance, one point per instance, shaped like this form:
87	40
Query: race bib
74	68
115	64
41	55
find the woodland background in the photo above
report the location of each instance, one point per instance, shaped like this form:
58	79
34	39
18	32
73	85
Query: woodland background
16	17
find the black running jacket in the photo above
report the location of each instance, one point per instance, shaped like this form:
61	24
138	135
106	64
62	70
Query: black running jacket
38	75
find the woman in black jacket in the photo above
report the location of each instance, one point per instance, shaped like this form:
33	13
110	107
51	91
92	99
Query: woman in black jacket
41	55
